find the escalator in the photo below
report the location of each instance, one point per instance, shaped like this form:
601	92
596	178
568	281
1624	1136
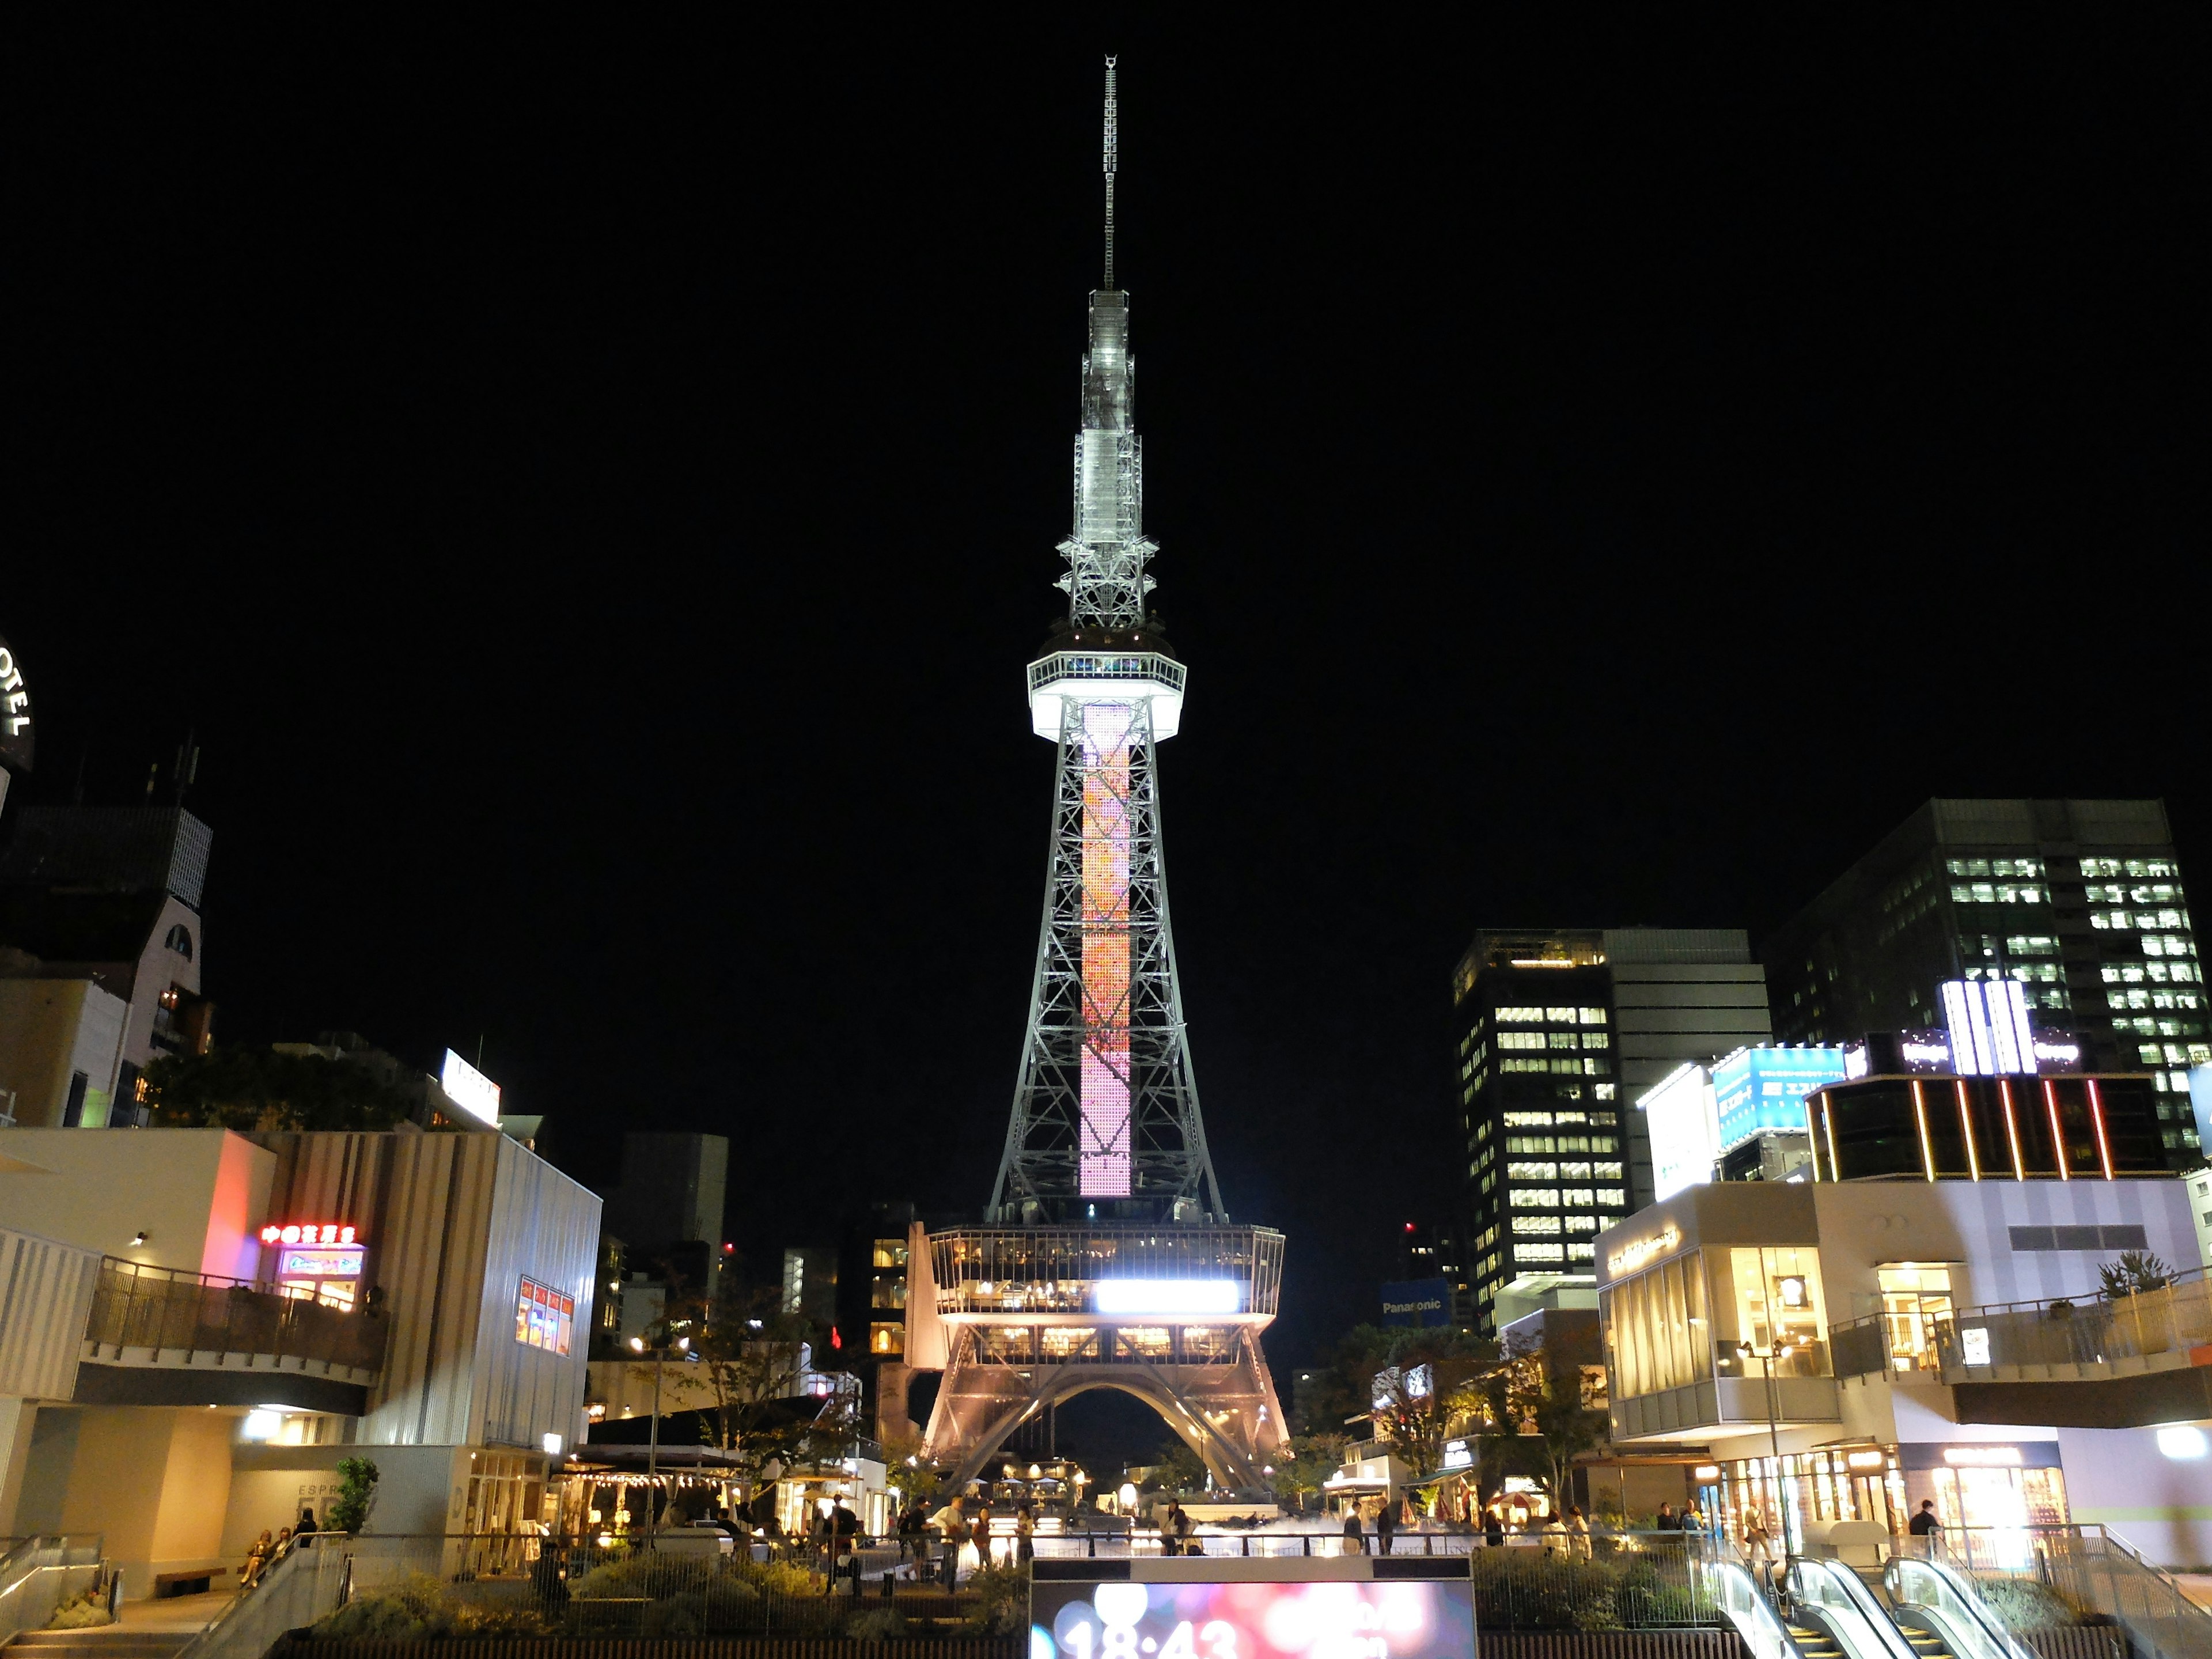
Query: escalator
1920	1610
1940	1615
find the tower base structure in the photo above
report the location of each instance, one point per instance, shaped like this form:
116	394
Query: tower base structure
1169	1314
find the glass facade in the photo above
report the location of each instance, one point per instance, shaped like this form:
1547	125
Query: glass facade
1682	1321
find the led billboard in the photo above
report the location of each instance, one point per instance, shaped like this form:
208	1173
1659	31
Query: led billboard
1337	1619
1679	1118
1416	1301
1756	1089
470	1090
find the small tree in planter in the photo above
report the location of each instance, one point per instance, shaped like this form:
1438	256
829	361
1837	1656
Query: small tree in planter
357	1479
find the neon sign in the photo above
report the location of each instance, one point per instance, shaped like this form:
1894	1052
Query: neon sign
320	1262
326	1232
1636	1252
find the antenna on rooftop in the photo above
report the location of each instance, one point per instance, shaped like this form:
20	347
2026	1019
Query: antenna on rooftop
1113	146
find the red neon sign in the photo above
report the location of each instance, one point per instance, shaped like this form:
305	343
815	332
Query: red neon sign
327	1232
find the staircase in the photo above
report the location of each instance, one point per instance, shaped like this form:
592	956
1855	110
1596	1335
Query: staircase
1815	1642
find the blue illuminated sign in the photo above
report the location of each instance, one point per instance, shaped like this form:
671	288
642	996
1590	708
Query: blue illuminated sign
1416	1301
1756	1089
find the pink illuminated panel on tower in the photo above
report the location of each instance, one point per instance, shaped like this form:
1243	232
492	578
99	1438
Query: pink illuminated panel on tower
1102	1156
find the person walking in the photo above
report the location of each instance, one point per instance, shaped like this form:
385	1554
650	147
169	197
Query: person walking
1925	1524
1578	1534
1024	1532
1493	1526
1355	1540
1386	1525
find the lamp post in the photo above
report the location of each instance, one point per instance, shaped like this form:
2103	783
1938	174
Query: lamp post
1765	1357
652	1445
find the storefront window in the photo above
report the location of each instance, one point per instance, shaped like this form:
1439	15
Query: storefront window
1657	1332
1146	1341
1772	1301
1913	1298
1069	1342
1006	1344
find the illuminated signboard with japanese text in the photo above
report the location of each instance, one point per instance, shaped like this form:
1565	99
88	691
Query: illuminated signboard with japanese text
1765	1088
543	1317
1329	1619
1679	1118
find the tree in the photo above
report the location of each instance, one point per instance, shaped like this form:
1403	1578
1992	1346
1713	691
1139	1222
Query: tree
357	1479
1313	1458
1404	1379
238	1088
1535	1418
745	1364
905	1470
2135	1272
1182	1469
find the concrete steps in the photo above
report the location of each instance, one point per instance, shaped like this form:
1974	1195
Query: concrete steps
108	1641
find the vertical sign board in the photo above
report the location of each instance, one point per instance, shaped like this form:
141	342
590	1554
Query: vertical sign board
1416	1301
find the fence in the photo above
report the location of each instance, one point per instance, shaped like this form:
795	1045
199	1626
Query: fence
2172	1319
2090	1572
302	1584
37	1575
135	1306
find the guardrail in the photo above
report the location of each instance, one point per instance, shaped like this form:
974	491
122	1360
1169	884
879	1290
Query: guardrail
2081	1331
168	1310
305	1582
2092	1572
38	1574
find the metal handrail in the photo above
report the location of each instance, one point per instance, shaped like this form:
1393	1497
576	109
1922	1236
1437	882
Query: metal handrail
1986	1633
165	1309
1838	1590
2112	1576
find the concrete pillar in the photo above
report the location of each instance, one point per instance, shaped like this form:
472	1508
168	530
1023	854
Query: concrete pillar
18	1417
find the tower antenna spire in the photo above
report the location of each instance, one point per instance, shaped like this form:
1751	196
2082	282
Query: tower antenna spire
1113	145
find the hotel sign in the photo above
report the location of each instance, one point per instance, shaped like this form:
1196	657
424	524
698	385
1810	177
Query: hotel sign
17	741
1642	1252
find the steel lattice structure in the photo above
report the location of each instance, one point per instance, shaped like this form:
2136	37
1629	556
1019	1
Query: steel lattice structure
1105	1117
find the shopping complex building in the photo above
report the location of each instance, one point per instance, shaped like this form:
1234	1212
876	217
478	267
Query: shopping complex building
1934	1325
196	1325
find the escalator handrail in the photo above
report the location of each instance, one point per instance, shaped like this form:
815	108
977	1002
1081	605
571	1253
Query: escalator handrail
1979	1611
1851	1590
1738	1596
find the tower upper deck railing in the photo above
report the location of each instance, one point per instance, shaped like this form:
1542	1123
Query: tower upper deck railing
1142	1272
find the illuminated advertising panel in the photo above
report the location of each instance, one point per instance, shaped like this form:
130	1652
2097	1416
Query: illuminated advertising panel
544	1318
1103	1169
1684	1131
1167	1296
1757	1089
1416	1301
1334	1619
298	1262
470	1090
1990	1036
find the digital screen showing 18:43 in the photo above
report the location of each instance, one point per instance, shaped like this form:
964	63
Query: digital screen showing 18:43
1332	1619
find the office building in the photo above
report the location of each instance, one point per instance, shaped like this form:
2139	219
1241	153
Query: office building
2080	902
100	957
1559	1031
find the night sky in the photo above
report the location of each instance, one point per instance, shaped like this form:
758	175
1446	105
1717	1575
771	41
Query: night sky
593	495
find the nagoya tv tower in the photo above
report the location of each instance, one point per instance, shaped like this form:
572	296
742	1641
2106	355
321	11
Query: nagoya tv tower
1105	1120
1106	1259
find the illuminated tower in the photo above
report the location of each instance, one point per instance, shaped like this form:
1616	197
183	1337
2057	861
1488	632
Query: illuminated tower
1105	1120
1106	1259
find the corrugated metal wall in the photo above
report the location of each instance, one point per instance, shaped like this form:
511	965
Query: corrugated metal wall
45	1299
453	1222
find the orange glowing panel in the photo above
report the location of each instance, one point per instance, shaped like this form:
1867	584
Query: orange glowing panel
2012	1129
2097	1122
1103	1156
1812	1136
1828	1123
1966	1128
2057	1134
1920	1116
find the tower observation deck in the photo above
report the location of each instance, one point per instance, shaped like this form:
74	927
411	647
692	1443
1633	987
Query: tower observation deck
1107	1259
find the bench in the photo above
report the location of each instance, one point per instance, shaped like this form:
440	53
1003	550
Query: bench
193	1582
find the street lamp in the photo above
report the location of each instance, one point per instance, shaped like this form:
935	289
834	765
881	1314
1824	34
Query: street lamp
1766	1357
653	1447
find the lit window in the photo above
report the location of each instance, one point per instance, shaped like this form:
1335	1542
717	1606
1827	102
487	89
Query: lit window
1560	1015
1612	1197
1564	1040
1595	1040
1581	1224
1536	1224
1605	1090
2100	866
1581	1195
1528	1120
1533	1198
1593	1016
1540	1252
1523	1015
1537	1171
1574	1171
1520	1039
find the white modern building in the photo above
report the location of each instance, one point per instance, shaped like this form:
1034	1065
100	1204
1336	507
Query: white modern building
196	1326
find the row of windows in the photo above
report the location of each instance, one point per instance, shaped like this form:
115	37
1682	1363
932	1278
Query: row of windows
1537	1145
1564	1171
1551	1016
2027	973
2154	999
2022	945
2108	919
1546	1119
1540	1254
1524	1040
2157	973
1982	892
1565	1067
1549	1198
2152	1053
2172	945
1551	1226
2145	1025
2031	868
2163	893
2140	867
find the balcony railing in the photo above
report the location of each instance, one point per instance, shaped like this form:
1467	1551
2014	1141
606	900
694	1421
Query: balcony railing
168	1312
2086	1331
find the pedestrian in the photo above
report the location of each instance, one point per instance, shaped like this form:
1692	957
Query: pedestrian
1493	1526
257	1557
1578	1536
1024	1532
952	1523
549	1575
307	1522
1757	1545
1355	1540
844	1527
1665	1520
1385	1526
1925	1524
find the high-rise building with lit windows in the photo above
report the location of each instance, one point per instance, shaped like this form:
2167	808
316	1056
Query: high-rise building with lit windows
2080	902
1559	1031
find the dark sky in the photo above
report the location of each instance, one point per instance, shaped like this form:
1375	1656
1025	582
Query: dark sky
593	494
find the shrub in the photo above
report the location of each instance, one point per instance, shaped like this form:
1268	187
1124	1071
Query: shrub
81	1612
876	1625
2022	1605
1002	1597
357	1479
